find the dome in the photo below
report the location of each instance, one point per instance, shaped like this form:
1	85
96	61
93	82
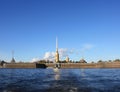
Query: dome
82	61
67	59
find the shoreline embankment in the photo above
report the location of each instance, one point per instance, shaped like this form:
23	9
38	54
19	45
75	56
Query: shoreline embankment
63	65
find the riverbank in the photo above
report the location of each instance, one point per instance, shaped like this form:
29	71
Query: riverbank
88	65
63	65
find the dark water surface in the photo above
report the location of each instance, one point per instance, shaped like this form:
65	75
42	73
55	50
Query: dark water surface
62	80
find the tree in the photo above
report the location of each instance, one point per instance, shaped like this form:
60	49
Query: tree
41	61
117	60
100	61
2	62
92	62
109	60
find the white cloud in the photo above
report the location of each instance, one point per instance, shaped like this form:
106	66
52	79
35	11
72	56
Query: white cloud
87	47
72	51
35	59
63	52
49	56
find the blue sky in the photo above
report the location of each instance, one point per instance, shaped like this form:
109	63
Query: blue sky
30	27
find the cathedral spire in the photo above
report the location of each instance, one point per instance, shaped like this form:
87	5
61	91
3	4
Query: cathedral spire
56	44
12	53
57	53
13	60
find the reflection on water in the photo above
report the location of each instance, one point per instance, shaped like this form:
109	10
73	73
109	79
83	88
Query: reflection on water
56	70
57	73
82	72
59	80
57	76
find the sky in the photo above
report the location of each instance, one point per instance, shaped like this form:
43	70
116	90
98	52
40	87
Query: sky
88	29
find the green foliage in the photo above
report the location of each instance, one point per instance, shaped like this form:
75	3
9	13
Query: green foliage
64	61
116	60
41	61
2	62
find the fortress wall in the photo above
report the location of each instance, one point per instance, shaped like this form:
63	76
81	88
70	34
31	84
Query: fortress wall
111	65
73	65
77	65
64	65
88	65
20	65
50	64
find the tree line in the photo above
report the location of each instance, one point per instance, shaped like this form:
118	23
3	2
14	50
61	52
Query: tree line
64	61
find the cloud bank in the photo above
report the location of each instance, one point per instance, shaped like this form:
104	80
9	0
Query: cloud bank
64	52
87	47
49	56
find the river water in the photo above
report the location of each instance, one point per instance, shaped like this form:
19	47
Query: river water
62	80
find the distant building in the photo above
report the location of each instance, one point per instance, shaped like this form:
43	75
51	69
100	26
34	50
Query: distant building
82	61
67	59
13	60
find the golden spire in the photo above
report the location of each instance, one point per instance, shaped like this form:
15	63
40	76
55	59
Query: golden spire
13	60
56	44
12	53
57	54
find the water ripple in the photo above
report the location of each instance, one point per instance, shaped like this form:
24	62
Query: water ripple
63	80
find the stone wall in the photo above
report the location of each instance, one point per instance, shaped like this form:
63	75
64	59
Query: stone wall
20	65
88	65
64	65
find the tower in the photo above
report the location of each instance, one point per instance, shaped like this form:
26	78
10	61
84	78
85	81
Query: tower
13	60
67	59
57	53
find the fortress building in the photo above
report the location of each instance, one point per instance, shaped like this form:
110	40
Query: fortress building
57	53
82	61
67	59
